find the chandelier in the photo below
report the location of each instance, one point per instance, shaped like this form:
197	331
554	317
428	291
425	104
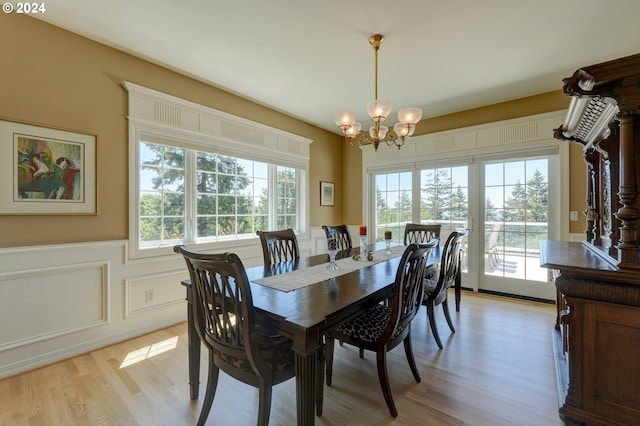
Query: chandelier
378	110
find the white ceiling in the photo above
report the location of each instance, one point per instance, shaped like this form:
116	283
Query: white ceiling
310	58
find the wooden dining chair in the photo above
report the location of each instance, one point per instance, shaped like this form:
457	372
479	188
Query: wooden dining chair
223	313
436	291
279	246
342	235
420	233
385	326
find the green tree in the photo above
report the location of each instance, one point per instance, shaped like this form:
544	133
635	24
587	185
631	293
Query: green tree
537	198
491	214
220	181
435	197
459	203
516	204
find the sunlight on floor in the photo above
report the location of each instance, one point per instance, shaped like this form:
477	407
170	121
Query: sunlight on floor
149	351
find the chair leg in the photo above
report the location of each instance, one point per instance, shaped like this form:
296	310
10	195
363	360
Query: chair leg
383	377
408	350
264	407
361	352
432	323
445	308
212	384
329	359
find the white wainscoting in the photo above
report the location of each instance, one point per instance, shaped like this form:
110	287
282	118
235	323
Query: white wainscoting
57	301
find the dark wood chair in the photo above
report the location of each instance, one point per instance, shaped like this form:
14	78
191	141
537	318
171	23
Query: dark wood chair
383	327
279	246
420	233
222	309
436	291
342	235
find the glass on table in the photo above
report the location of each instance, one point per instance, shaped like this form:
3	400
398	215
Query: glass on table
332	249
387	241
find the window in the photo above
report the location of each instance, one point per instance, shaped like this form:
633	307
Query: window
231	196
393	203
444	196
516	217
201	176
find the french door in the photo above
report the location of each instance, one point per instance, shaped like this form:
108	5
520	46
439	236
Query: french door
504	202
519	211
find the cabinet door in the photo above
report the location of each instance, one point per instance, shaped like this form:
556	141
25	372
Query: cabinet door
612	361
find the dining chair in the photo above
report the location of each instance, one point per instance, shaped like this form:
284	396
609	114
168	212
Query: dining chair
491	247
384	326
420	233
279	246
222	309
342	235
436	291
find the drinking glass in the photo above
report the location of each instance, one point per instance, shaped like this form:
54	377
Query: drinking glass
332	249
388	243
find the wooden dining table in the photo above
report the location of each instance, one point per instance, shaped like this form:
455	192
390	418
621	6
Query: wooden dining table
305	314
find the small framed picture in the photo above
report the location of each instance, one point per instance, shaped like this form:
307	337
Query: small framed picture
327	193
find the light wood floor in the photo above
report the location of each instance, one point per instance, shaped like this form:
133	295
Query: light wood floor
496	370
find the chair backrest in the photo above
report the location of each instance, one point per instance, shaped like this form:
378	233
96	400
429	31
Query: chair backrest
492	237
449	263
419	233
408	288
342	235
279	246
222	306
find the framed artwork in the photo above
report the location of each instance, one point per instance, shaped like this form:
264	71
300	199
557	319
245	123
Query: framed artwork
46	171
327	193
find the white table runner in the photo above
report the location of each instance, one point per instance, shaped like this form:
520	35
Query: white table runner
305	277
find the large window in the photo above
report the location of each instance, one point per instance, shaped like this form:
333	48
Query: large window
228	198
203	177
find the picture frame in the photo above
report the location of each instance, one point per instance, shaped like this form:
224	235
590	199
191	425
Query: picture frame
327	191
46	171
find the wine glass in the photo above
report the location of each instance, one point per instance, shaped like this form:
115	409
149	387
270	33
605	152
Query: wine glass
388	248
332	249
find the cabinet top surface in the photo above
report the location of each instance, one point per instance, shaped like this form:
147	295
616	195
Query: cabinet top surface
574	259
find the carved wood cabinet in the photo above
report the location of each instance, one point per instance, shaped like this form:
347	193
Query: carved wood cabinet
597	336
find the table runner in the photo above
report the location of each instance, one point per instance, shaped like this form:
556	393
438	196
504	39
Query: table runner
305	277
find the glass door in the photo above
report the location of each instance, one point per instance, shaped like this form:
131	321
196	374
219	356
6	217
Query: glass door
515	219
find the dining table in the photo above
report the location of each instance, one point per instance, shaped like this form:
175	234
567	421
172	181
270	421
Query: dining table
321	301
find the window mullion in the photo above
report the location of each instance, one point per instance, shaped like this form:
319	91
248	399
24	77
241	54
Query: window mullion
273	197
190	193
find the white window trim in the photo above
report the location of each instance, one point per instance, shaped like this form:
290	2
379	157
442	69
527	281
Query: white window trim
201	127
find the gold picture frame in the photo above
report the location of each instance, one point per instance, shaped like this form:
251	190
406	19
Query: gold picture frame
46	171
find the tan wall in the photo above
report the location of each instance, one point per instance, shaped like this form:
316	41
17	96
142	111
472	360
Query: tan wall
55	78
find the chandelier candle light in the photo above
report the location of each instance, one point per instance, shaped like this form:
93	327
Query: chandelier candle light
378	110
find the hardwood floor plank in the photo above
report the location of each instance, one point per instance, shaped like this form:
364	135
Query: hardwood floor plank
497	369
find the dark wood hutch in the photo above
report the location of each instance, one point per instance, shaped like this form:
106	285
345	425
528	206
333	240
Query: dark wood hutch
597	335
